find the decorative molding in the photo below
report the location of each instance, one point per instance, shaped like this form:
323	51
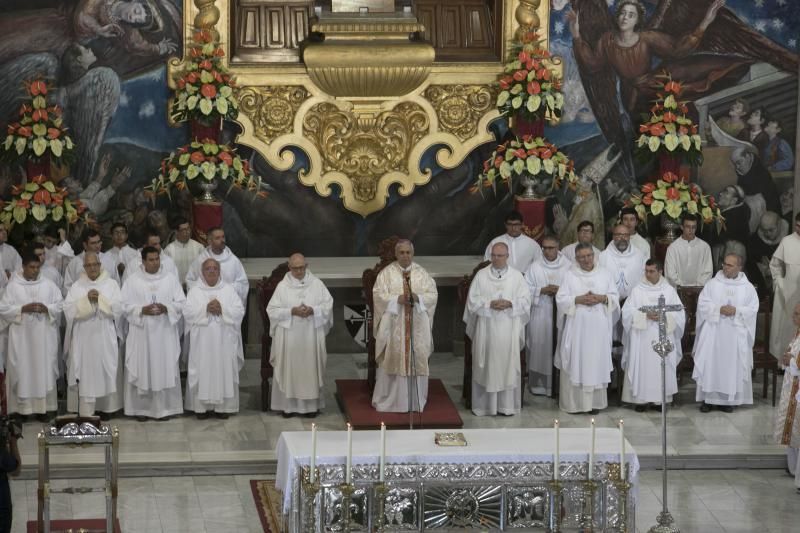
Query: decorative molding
459	108
271	109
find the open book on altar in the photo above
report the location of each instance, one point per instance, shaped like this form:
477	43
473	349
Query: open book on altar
450	439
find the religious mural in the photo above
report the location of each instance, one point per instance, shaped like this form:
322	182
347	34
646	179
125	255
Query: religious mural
738	61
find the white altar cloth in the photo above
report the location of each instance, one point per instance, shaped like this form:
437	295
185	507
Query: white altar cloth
504	445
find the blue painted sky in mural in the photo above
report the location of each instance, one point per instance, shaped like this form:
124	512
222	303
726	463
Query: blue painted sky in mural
777	19
141	117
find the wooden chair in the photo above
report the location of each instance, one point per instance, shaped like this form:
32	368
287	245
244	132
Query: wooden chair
466	394
688	296
762	359
368	278
265	289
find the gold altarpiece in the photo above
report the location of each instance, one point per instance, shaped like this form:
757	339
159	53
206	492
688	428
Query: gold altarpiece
366	103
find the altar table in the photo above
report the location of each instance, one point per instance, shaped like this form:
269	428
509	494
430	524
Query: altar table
503	466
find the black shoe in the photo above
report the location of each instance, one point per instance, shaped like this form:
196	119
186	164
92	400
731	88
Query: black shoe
105	417
705	408
222	416
726	408
594	412
287	415
640	408
42	418
505	414
141	419
202	416
311	415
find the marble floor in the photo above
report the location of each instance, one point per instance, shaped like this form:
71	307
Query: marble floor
180	474
701	501
251	436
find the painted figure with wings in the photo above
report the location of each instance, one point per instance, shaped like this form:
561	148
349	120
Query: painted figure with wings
699	42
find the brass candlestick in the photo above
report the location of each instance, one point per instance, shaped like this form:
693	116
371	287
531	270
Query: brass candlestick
347	490
380	496
310	491
555	507
587	505
623	487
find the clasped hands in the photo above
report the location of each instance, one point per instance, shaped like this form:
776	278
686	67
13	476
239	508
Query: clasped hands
407	300
549	290
154	309
93	295
591	299
303	311
34	307
500	304
727	310
214	307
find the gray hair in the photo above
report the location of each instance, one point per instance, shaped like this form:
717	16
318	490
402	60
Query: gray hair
403	241
584	246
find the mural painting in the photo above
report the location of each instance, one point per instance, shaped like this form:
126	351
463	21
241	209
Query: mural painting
737	62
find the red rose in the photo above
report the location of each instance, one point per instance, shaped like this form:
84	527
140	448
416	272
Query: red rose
208	90
197	157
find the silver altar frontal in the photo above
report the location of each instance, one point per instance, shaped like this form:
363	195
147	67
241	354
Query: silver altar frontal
502	480
71	432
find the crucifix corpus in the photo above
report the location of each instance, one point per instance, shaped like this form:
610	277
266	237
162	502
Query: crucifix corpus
663	347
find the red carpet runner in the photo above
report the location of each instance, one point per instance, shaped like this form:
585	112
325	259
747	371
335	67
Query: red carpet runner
356	403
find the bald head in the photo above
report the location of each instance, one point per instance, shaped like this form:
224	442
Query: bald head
298	265
499	255
210	271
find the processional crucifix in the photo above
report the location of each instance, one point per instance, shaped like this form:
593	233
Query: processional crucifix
663	347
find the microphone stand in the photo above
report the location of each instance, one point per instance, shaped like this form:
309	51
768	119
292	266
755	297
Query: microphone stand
413	389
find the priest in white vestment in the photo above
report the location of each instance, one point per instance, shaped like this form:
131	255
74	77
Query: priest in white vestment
623	261
121	252
213	316
38	249
183	250
10	259
92	309
787	419
154	241
91	243
497	310
300	317
723	348
588	298
585	236
785	269
522	250
641	364
233	272
543	278
630	219
153	301
688	261
31	309
57	250
404	297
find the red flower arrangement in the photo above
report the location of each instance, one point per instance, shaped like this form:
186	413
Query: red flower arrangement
44	201
674	196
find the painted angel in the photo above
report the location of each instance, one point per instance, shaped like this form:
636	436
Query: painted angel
701	43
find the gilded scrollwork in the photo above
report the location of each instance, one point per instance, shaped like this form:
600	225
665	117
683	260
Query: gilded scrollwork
460	108
364	151
271	109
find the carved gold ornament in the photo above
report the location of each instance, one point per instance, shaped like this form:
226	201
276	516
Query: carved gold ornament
460	107
271	109
365	108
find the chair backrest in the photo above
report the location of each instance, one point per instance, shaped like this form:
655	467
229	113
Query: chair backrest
368	279
689	297
463	294
265	289
466	281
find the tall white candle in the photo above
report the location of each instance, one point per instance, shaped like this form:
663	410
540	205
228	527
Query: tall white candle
313	464
591	451
556	454
622	449
382	464
348	469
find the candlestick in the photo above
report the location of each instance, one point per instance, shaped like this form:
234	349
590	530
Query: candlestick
349	464
382	463
313	463
622	450
556	454
591	451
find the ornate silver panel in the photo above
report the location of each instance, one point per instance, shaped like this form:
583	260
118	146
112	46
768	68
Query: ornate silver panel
333	510
448	506
528	506
401	509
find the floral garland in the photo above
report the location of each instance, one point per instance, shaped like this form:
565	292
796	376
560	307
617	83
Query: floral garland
42	200
669	130
674	196
40	129
204	88
204	161
528	86
529	157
